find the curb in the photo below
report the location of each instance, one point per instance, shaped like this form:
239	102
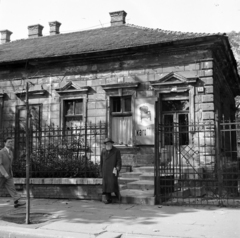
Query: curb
18	232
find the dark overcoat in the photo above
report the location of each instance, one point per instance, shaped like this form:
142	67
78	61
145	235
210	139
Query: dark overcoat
108	162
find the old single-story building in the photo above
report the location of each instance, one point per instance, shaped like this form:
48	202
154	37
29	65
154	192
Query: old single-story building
127	76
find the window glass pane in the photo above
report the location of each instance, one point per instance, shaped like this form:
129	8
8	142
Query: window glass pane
168	129
122	130
69	107
183	129
34	123
127	104
78	107
116	104
73	122
34	115
22	114
175	105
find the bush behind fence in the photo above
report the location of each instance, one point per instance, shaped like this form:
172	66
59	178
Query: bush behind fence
56	152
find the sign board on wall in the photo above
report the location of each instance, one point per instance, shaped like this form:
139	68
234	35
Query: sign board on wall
144	121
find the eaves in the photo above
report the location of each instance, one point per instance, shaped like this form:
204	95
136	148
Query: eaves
127	50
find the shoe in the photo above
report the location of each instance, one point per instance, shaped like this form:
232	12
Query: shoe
19	204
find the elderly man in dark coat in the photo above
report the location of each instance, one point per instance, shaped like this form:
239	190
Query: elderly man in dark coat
111	164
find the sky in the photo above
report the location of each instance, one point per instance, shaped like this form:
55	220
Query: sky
209	16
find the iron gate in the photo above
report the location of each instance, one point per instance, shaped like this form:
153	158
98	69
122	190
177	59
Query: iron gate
197	163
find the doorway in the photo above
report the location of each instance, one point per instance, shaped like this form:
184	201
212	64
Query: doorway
175	131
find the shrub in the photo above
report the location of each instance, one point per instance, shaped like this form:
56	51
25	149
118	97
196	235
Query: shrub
59	159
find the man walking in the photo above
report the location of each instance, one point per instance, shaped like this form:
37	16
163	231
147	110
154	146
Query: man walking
111	164
6	174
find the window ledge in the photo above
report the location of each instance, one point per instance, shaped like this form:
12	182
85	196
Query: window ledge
127	149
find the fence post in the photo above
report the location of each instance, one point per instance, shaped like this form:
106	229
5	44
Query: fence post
156	169
27	159
218	157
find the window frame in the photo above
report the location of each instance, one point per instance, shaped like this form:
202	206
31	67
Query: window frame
19	107
187	95
121	114
63	109
120	89
176	127
17	132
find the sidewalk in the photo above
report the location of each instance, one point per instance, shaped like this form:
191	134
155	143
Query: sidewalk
93	219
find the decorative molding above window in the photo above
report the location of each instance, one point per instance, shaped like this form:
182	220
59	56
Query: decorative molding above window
119	86
71	88
173	80
120	89
36	90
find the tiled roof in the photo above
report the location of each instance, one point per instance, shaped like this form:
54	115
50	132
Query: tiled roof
109	38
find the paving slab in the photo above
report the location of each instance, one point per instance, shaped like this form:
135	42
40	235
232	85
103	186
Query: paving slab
93	219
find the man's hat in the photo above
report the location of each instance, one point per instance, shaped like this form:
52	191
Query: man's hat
108	140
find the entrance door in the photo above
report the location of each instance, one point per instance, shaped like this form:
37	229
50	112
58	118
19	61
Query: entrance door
175	133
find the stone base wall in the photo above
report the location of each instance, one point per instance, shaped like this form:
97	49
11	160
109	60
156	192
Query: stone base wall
59	188
139	156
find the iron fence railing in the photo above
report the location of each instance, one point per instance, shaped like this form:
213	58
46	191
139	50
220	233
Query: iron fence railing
198	163
55	152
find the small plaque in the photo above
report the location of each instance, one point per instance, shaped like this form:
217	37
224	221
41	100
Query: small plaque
200	89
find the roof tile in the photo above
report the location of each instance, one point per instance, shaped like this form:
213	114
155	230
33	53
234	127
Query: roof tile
108	38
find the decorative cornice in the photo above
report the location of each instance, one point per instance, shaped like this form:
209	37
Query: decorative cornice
71	87
73	91
36	90
172	79
120	85
31	93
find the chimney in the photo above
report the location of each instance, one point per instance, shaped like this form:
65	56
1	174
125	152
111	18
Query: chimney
118	18
35	31
54	27
5	36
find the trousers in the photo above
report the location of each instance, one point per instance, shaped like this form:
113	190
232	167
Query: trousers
9	185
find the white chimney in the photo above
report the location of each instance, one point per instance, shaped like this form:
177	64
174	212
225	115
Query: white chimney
54	27
5	36
118	18
35	31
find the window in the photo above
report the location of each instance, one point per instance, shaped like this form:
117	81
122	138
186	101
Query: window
73	113
176	122
121	118
34	123
175	105
35	117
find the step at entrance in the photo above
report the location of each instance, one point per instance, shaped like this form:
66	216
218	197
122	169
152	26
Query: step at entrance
141	185
137	187
135	196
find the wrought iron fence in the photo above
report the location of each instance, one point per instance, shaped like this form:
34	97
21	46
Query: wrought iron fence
55	152
197	163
